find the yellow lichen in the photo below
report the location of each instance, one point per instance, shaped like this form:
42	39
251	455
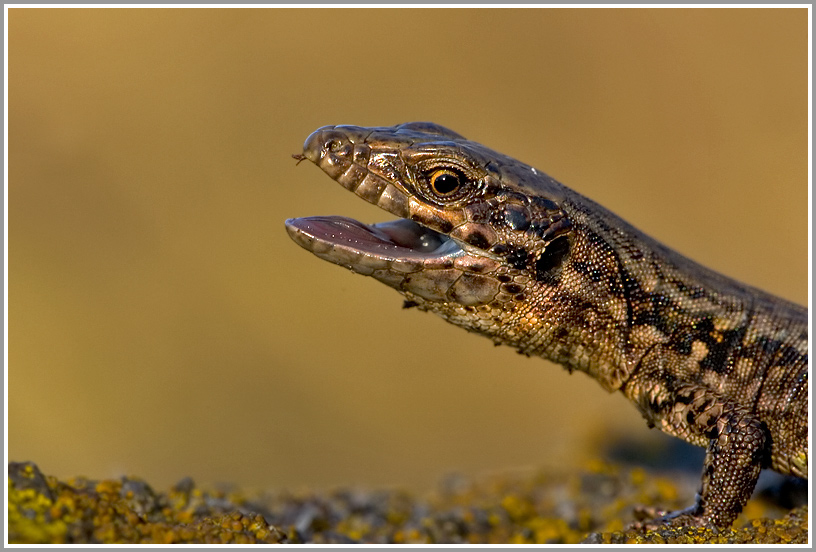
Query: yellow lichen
29	512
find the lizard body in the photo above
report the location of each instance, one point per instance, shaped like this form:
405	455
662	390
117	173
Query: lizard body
500	248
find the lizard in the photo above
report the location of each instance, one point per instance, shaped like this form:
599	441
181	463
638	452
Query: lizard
500	248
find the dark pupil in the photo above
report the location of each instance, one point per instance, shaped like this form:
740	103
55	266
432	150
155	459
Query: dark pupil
446	183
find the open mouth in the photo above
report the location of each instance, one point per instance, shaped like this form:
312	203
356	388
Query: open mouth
417	261
359	246
401	245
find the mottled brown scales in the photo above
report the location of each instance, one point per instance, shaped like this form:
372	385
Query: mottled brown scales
502	249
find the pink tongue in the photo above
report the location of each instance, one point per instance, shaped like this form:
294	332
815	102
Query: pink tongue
402	233
344	227
343	230
377	239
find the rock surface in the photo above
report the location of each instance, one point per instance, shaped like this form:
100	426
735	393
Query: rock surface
590	505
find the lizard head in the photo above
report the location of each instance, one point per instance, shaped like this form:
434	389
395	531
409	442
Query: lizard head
478	233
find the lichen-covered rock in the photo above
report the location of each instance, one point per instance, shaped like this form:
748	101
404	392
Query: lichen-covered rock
591	505
45	510
791	529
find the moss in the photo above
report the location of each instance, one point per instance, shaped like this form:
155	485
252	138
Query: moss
590	505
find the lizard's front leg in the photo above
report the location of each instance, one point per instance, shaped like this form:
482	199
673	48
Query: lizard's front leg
736	442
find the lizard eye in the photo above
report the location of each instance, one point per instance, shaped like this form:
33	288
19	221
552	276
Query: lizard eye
445	182
448	183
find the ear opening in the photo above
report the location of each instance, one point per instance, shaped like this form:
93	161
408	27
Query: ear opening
548	264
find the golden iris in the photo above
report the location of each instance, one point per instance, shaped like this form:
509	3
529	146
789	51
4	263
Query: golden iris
445	182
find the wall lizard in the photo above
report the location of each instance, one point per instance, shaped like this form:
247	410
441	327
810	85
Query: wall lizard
502	249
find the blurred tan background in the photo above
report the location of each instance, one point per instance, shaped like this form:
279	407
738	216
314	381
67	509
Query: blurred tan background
161	322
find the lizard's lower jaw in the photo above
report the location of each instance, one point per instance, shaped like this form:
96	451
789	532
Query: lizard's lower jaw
402	254
400	244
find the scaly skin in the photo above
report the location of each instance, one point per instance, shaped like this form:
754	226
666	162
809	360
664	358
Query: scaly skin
504	250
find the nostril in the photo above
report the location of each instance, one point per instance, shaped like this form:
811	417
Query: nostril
322	141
